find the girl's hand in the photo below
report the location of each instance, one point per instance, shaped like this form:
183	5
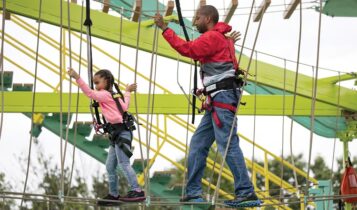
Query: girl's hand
73	73
131	88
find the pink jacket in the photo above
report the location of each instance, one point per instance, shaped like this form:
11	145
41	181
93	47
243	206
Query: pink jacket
106	102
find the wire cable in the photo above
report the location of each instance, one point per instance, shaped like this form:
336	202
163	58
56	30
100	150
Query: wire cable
2	65
33	99
313	102
77	103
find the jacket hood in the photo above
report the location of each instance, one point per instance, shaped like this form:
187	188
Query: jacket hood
222	27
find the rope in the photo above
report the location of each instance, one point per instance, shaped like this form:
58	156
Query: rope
61	190
33	99
294	100
159	202
77	103
150	112
239	99
281	58
283	135
135	95
246	32
2	64
182	23
70	83
240	55
120	42
88	24
189	104
313	102
255	109
334	140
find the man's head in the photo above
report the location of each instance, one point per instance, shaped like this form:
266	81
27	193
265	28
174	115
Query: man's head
206	18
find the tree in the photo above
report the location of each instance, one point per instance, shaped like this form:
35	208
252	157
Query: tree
5	186
51	184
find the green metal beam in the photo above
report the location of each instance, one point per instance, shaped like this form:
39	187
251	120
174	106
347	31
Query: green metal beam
164	104
340	8
105	26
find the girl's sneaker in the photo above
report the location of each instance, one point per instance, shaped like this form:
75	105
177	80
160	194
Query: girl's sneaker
133	196
109	200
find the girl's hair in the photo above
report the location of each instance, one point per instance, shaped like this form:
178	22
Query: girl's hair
108	76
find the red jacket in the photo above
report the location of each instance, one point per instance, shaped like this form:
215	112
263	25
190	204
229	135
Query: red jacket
211	47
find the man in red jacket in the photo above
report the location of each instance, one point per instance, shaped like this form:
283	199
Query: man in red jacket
218	73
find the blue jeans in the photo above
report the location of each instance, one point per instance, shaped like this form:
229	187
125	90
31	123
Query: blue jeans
203	139
116	157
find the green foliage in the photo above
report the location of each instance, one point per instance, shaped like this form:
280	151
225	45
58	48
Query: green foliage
5	204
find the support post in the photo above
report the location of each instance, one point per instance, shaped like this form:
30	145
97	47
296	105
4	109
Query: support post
229	13
169	8
291	8
262	8
137	11
202	3
106	4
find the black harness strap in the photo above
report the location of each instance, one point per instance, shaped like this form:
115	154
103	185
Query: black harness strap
88	24
116	139
178	8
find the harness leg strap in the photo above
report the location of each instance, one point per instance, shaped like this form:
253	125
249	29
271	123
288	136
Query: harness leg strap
125	149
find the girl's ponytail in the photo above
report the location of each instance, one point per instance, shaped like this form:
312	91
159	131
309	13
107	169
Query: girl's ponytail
118	90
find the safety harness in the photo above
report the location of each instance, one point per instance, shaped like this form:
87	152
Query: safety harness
114	130
232	83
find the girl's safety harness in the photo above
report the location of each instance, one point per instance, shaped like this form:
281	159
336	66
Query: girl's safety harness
112	129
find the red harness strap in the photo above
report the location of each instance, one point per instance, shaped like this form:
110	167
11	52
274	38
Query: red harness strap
221	105
209	106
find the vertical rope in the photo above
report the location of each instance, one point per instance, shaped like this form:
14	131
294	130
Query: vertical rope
338	113
235	118
283	137
294	104
77	103
255	108
33	100
135	94
70	82
2	64
150	112
246	32
120	41
313	102
61	190
188	116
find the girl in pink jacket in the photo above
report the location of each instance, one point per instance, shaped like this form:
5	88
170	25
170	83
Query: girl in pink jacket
120	137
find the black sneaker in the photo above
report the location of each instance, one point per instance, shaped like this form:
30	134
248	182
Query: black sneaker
108	200
250	200
133	196
193	199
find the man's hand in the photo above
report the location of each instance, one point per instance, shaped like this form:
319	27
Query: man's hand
159	21
235	36
73	73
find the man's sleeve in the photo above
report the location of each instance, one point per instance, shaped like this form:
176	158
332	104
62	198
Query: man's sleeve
201	47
